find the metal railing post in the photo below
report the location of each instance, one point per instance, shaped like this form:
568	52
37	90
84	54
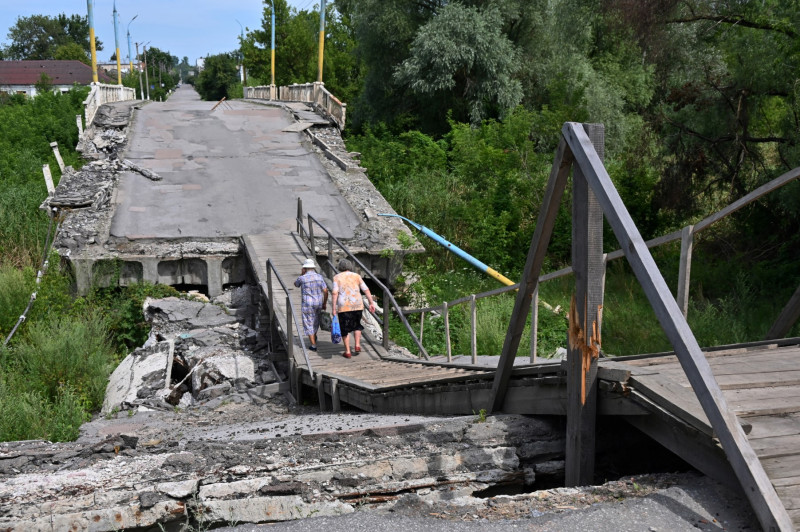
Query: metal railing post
387	309
448	347
330	257
289	328
311	238
534	323
421	328
299	215
271	302
473	325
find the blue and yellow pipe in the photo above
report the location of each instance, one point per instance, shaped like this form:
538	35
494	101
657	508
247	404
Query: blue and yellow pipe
457	250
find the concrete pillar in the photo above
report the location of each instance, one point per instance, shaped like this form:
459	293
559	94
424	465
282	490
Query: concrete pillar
214	273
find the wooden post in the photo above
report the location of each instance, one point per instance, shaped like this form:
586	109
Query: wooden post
788	317
387	309
473	328
687	242
48	179
323	402
79	121
534	324
57	154
421	329
448	347
299	215
583	345
336	405
311	241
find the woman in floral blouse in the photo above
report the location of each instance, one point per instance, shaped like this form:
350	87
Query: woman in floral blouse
314	293
347	303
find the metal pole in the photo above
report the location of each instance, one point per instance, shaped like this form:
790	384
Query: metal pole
241	52
92	45
321	38
130	59
146	77
139	71
474	323
272	53
116	43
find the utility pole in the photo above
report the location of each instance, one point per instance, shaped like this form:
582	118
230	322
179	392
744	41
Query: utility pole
146	77
116	43
92	46
139	70
130	60
321	37
241	52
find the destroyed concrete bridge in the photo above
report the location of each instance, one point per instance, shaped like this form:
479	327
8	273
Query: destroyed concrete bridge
211	197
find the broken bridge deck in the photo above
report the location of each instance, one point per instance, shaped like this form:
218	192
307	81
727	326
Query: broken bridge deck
759	381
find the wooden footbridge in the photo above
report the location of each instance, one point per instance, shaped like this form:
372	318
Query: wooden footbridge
733	412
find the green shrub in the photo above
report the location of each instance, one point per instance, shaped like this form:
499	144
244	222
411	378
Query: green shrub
67	351
15	290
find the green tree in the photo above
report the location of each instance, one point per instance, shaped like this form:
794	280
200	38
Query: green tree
464	52
39	36
218	77
71	51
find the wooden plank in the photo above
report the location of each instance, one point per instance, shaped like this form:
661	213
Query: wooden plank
767	426
751	475
745	380
782	467
777	446
530	274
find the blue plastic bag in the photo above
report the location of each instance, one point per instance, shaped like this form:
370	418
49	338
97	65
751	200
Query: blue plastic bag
336	331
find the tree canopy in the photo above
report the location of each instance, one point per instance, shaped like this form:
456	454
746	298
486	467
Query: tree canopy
39	37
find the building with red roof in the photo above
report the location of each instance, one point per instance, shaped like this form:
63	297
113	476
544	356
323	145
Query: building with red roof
21	77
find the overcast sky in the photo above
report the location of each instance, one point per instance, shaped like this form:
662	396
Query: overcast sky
191	28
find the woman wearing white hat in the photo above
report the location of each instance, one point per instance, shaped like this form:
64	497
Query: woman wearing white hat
314	299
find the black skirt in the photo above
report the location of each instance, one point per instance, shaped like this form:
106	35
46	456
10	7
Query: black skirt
350	321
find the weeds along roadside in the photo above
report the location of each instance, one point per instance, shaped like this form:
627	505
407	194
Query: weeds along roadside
54	371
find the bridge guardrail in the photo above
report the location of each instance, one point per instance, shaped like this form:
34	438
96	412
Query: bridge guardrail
102	93
315	93
291	315
685	235
388	300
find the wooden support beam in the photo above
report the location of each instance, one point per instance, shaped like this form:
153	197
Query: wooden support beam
323	402
530	275
788	317
336	405
754	481
684	273
583	346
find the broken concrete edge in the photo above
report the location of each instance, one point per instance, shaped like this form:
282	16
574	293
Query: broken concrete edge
262	481
198	353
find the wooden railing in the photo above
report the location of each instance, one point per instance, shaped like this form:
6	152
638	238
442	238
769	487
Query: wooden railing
291	316
388	299
685	235
595	198
102	93
315	93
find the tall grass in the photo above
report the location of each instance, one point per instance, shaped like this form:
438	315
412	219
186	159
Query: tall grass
15	290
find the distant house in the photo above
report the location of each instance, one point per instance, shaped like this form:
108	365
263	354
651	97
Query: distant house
21	77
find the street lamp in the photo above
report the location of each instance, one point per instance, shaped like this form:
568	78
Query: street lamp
130	60
241	52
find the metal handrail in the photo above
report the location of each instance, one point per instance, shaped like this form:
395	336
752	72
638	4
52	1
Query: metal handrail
290	314
388	299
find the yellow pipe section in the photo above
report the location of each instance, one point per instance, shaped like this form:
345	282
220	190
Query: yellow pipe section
321	47
499	276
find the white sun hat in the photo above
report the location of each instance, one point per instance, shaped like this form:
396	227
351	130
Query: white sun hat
309	263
